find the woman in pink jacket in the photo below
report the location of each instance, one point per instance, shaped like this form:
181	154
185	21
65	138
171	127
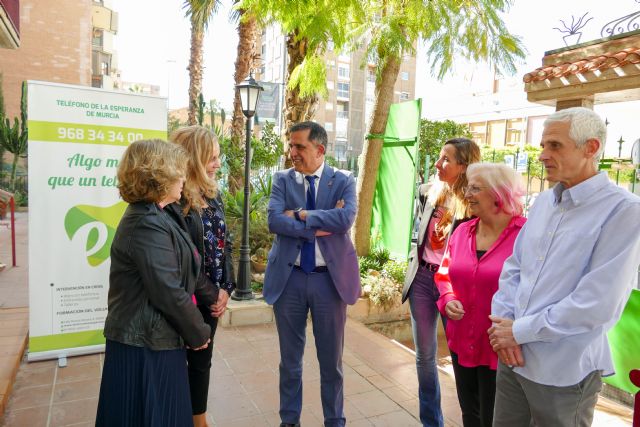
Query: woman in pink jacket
468	278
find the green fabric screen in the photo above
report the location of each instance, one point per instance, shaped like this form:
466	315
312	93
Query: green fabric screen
625	345
392	216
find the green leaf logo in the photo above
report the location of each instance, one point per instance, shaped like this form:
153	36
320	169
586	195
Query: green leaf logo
103	221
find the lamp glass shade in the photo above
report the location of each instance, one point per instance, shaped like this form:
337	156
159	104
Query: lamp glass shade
249	91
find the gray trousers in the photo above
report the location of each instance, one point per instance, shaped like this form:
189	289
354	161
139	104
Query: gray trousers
522	403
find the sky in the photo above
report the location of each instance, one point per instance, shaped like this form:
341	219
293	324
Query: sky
154	47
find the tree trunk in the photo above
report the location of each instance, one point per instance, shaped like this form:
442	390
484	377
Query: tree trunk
247	31
195	72
371	154
296	109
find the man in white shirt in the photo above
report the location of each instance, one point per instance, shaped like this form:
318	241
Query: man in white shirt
566	283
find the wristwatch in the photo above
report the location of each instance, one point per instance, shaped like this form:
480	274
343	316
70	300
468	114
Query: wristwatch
296	213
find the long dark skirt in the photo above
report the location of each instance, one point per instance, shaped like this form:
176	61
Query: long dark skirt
143	388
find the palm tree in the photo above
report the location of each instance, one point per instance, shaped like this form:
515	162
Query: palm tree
246	56
470	29
309	26
199	13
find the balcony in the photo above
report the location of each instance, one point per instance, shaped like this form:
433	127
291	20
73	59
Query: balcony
104	18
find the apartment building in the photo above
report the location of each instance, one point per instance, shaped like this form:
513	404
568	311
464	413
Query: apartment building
103	57
346	111
67	41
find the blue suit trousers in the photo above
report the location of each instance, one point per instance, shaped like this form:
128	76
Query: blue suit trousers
315	293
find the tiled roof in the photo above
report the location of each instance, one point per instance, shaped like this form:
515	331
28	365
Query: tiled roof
592	63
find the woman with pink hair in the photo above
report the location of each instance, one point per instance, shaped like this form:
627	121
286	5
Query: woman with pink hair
468	278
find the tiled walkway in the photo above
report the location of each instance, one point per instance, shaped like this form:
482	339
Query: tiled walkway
380	379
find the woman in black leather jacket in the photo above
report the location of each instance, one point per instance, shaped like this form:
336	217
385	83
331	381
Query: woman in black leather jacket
154	273
201	213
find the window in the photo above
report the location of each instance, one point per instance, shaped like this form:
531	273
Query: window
343	71
263	52
331	65
342	110
278	50
328	106
328	127
330	45
404	96
343	90
330	85
371	75
404	75
97	38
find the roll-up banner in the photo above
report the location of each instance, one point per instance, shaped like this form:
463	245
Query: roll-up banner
77	136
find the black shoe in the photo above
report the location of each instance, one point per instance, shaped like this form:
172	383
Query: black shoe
289	425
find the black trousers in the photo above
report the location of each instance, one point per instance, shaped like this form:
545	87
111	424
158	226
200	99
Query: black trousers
199	367
476	389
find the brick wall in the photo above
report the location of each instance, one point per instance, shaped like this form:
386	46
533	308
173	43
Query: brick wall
55	46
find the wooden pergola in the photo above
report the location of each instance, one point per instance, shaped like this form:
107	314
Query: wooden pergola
597	72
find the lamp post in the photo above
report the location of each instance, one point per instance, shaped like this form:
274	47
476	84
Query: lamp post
249	91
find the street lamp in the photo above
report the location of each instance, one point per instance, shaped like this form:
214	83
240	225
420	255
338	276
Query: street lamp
249	91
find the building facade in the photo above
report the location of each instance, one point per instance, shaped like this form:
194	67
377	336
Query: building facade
346	111
103	58
66	41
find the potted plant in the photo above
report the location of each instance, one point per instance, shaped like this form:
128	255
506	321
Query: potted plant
259	260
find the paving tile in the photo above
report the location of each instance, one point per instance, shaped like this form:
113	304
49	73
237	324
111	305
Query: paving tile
43	375
351	412
226	385
30	397
225	408
78	372
359	423
397	394
76	390
365	370
258	381
77	411
355	384
373	403
412	407
266	402
395	419
35	417
380	382
257	421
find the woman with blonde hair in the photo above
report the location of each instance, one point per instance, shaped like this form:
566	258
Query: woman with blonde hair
154	273
441	212
468	278
201	214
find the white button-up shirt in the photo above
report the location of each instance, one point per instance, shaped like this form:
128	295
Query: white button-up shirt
300	178
570	275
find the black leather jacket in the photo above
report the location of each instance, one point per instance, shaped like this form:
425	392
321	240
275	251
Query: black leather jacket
154	272
192	223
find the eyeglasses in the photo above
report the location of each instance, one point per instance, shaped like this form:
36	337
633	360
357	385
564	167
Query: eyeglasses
473	189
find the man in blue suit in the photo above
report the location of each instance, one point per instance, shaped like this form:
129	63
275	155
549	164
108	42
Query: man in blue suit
313	267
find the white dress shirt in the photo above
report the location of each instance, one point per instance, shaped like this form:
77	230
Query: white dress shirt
320	262
569	278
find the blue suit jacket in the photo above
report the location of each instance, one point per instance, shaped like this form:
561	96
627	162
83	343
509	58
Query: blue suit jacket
337	248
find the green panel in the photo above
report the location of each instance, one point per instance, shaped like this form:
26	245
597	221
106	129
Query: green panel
60	341
392	215
625	345
89	133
